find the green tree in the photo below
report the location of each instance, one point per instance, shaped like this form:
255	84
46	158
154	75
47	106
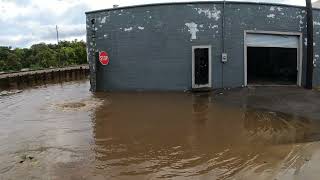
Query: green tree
69	55
46	58
43	56
13	62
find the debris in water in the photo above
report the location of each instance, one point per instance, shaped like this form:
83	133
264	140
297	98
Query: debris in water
30	157
8	93
83	105
24	158
73	105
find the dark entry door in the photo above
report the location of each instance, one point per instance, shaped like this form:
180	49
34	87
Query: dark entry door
201	66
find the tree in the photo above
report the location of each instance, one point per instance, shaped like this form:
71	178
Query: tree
46	58
43	56
13	62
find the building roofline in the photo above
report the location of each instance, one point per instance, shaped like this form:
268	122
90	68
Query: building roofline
195	2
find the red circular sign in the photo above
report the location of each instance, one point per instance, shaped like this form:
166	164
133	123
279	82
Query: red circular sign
104	58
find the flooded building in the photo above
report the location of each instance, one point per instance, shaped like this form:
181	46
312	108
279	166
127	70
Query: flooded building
183	46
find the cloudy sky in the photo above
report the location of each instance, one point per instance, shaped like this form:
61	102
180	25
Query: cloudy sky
25	22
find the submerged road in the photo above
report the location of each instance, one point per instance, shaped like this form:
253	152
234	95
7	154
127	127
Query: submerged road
63	131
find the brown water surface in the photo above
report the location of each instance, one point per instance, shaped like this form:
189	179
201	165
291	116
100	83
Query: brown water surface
66	132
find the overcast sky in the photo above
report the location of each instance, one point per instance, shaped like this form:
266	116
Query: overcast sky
25	22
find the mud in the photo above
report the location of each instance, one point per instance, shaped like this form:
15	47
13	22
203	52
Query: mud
66	132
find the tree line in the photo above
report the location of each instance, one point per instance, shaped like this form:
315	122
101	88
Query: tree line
41	56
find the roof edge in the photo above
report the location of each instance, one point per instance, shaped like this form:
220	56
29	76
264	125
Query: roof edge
194	2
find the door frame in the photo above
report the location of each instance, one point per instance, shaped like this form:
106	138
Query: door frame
299	51
209	85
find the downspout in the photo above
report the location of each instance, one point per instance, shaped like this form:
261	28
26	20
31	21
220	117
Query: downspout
309	75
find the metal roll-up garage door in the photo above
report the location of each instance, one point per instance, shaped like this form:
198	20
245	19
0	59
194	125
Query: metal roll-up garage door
267	40
273	58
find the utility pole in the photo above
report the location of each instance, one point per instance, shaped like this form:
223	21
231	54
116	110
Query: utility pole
223	43
59	58
57	34
309	75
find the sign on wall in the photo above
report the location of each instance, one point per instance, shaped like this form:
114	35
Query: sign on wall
104	58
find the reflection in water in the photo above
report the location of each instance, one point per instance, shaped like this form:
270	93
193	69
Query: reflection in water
276	127
201	107
73	134
179	135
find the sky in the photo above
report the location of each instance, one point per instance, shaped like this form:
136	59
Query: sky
26	22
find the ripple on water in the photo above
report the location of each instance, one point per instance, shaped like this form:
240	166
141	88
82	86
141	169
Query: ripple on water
82	105
148	136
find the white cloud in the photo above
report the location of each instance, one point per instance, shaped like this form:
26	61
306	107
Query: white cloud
24	22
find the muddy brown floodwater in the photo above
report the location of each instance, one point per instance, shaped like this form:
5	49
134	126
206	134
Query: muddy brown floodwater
65	132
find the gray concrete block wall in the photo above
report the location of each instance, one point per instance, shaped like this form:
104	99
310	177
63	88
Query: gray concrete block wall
150	47
91	48
241	17
316	71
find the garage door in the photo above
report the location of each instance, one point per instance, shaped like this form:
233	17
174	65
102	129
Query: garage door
272	58
267	40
